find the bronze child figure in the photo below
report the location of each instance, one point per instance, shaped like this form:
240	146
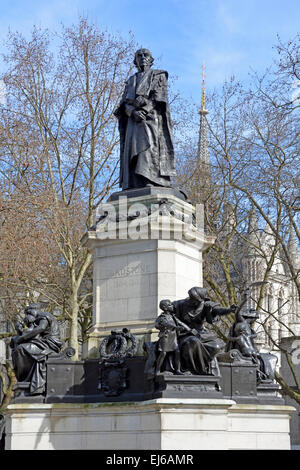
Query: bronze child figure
167	344
242	338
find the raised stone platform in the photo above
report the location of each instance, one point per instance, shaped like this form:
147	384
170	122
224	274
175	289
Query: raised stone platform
147	246
188	386
172	424
239	381
84	382
148	191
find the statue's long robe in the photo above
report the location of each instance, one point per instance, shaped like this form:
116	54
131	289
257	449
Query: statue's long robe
146	147
29	358
198	352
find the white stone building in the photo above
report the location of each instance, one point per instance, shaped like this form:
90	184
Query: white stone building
280	308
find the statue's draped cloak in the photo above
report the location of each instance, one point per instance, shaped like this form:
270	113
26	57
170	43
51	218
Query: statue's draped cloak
146	147
29	359
198	352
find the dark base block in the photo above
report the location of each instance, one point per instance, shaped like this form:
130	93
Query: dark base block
22	394
268	393
148	191
238	381
186	386
91	382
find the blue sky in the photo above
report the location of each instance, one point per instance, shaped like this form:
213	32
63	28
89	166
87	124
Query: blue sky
230	36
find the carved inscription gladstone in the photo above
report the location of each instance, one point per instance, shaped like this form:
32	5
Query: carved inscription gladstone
128	281
132	270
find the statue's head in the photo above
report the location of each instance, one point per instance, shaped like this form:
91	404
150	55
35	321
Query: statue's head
166	305
143	59
198	294
31	313
250	315
241	328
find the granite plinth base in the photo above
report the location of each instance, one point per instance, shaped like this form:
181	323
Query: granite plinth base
268	392
239	381
186	386
145	248
22	394
91	382
85	382
165	423
148	191
21	390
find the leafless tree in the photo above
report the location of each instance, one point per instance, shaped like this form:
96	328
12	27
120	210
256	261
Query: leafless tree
254	151
59	157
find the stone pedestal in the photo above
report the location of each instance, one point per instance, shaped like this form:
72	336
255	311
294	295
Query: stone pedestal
168	424
188	386
145	248
292	346
239	381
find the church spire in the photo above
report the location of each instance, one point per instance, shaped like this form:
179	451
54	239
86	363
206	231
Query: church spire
253	234
293	247
252	222
203	111
203	155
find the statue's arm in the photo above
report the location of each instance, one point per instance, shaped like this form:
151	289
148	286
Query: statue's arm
220	311
162	324
27	335
159	323
160	86
122	107
232	338
182	325
129	109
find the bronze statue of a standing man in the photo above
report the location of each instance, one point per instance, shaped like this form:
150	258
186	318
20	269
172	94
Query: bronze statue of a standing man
146	146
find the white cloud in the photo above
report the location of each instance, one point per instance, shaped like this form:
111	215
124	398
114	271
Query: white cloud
296	93
230	22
